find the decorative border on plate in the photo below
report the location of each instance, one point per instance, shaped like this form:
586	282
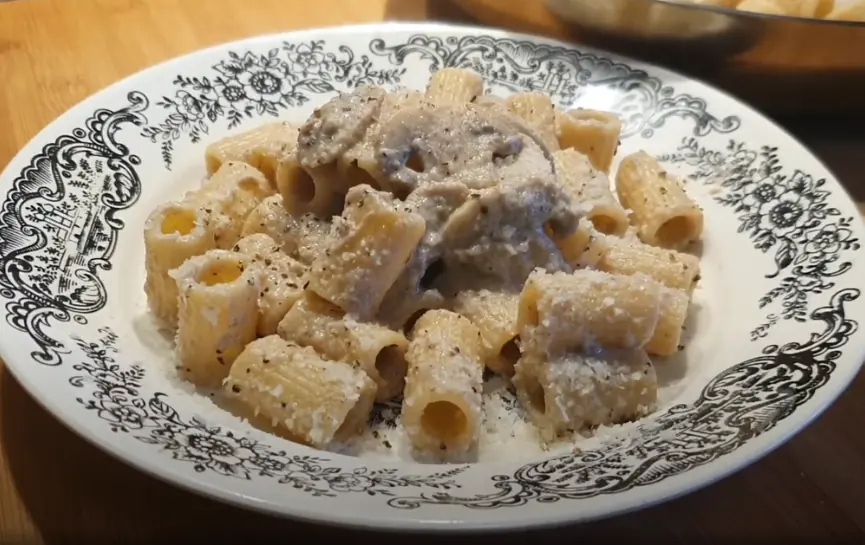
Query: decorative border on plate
246	84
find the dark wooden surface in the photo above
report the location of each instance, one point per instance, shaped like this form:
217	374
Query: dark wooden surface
55	488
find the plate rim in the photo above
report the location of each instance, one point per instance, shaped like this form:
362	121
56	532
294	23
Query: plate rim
758	447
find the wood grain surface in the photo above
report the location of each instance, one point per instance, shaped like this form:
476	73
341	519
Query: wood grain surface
55	488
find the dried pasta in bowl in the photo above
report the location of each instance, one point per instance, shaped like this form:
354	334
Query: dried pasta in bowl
428	252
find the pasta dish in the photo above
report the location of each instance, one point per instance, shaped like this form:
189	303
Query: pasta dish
404	246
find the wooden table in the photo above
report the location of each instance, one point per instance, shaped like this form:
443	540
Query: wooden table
56	488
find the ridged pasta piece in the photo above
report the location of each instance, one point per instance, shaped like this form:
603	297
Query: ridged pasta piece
768	7
593	133
270	218
719	3
217	314
851	11
538	112
282	279
806	8
173	233
229	196
379	351
495	316
314	190
582	249
588	309
301	237
577	390
631	256
359	164
672	313
318	401
261	147
454	86
356	272
441	410
663	213
590	187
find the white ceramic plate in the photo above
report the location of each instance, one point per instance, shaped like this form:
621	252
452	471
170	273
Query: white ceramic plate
773	339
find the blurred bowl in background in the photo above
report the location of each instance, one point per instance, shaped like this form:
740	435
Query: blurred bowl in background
783	64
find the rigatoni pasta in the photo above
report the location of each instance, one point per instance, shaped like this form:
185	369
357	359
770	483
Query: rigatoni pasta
229	196
302	237
316	400
672	312
767	7
593	133
846	10
454	86
441	410
379	351
579	390
217	314
850	11
495	315
173	233
282	279
628	256
583	248
591	188
429	250
261	148
587	310
663	213
537	110
356	271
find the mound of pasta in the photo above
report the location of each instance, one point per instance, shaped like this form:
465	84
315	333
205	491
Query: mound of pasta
842	10
402	247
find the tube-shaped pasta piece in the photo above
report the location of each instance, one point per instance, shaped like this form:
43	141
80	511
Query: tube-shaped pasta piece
538	112
315	190
495	316
282	279
173	233
454	86
587	309
768	7
582	390
593	133
672	313
719	3
590	187
230	195
316	400
441	410
805	8
270	218
583	248
663	213
301	237
631	256
260	147
217	314
356	272
359	164
848	11
379	351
